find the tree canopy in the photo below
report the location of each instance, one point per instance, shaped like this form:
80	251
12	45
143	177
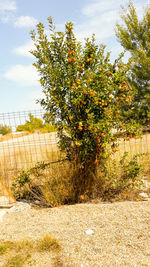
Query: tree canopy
134	36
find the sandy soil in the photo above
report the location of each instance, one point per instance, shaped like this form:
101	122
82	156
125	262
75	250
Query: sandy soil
121	235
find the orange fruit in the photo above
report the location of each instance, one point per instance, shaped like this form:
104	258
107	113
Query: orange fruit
69	59
96	162
118	111
77	144
74	59
92	94
84	92
80	128
73	85
70	118
70	52
89	128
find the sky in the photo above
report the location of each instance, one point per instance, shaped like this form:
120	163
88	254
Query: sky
19	85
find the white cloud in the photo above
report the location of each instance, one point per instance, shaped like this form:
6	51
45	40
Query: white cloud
101	16
98	7
23	75
25	21
7	5
24	49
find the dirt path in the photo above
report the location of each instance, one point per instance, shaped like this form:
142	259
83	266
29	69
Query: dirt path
121	233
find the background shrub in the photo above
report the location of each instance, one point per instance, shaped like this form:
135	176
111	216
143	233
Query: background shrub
4	129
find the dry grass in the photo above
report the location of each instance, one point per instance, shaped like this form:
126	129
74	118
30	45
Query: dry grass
19	253
48	243
24	152
12	136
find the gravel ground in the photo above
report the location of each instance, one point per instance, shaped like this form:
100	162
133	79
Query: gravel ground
121	233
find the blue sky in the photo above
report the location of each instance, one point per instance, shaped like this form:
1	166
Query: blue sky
19	86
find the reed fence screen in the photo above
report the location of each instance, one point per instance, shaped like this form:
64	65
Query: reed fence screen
22	150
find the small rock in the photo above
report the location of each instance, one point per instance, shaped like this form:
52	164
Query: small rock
6	202
89	232
143	195
18	207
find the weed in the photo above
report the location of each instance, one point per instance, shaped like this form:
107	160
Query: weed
48	243
5	246
16	261
18	253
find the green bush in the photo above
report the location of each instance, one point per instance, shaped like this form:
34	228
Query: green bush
117	177
4	129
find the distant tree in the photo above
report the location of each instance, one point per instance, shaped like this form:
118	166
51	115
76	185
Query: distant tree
134	36
4	129
34	124
31	125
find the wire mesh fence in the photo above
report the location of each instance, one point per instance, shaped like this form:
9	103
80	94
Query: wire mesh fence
26	140
23	149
